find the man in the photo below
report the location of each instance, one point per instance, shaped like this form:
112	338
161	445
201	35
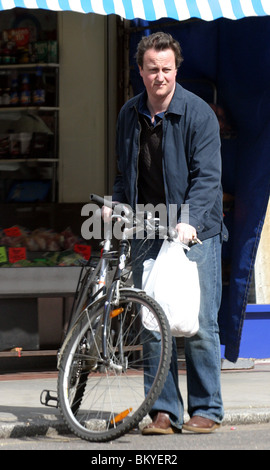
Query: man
169	152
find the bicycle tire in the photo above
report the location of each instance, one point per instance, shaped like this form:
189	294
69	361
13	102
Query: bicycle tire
102	400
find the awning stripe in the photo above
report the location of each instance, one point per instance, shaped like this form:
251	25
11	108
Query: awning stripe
160	8
237	11
194	11
170	9
63	5
231	10
151	10
215	8
182	10
266	6
248	8
118	6
205	9
139	11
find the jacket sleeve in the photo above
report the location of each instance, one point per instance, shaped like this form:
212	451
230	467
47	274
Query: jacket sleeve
118	188
204	171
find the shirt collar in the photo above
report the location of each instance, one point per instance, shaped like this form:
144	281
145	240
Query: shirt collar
143	109
176	106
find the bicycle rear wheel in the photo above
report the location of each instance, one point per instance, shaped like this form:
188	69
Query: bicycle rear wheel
103	398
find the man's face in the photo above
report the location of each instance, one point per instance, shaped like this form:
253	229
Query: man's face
158	73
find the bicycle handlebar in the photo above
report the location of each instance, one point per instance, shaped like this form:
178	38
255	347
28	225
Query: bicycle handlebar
101	201
128	212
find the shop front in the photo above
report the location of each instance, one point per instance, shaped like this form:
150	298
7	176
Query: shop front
71	150
46	180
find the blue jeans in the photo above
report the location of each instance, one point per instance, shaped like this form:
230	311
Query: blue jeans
202	350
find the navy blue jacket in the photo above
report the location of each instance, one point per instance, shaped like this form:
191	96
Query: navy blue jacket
191	159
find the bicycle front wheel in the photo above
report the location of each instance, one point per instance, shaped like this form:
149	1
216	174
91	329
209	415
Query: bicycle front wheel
102	398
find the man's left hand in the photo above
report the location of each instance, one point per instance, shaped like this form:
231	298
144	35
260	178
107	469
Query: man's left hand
186	232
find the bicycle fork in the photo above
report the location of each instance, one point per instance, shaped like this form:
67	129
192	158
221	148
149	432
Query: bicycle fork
113	299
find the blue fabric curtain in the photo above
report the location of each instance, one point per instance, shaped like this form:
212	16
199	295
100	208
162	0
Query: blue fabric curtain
235	57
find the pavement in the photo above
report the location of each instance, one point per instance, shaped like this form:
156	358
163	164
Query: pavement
245	389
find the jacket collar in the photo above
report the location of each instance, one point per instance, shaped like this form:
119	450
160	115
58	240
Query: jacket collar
176	106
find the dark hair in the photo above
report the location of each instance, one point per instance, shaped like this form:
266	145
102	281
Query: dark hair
159	41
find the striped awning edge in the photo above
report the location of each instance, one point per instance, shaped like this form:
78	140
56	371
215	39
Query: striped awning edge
152	10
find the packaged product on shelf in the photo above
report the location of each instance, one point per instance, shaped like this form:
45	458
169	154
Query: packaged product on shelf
34	190
69	258
23	56
41	51
20	36
40	239
6	97
15	41
46	51
25	94
8	54
39	89
17	254
25	142
40	145
3	255
52	51
4	90
83	250
4	145
14	93
20	247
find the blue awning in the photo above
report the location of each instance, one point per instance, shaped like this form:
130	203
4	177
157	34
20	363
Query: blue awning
152	10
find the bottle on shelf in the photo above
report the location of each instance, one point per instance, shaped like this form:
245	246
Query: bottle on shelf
14	92
8	52
25	94
2	86
6	91
39	93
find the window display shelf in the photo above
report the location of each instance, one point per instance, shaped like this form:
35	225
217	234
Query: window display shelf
12	109
28	66
30	160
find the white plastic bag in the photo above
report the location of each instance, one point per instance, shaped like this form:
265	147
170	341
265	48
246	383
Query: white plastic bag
173	281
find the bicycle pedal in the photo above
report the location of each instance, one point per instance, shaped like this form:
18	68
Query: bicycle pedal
46	397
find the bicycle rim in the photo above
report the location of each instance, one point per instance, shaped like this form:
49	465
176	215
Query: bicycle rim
101	399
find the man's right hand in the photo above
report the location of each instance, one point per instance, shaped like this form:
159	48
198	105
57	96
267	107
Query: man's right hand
106	214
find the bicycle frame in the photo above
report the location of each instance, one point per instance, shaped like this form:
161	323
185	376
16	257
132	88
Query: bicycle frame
89	278
99	295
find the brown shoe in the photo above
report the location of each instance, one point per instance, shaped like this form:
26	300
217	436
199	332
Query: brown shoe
161	424
200	424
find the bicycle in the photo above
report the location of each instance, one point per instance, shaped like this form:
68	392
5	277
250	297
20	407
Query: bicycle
104	357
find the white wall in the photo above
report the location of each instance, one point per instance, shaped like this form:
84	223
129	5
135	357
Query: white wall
82	123
262	263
